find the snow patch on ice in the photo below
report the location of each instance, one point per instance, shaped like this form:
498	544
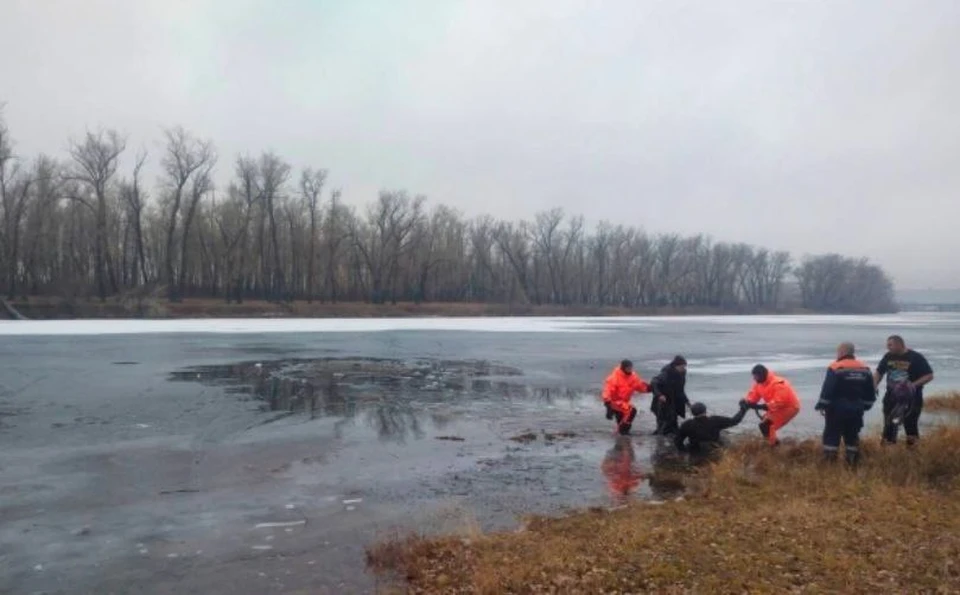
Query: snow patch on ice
295	325
279	524
778	362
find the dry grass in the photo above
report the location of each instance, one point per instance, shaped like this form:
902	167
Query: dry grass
157	307
948	401
761	521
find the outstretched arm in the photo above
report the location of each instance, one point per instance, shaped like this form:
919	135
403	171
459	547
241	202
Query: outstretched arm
728	422
637	384
826	390
881	369
753	397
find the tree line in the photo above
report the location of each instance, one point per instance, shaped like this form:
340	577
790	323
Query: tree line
79	225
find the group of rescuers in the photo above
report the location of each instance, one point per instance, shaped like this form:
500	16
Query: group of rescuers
849	390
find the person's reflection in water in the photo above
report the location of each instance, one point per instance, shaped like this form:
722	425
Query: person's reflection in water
672	470
619	467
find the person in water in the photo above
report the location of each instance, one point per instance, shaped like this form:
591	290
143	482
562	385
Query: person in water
782	403
848	391
906	371
670	400
703	431
617	390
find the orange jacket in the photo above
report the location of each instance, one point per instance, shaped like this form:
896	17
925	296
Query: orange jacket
776	392
619	387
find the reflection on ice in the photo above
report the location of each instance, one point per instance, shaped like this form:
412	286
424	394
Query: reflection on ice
397	399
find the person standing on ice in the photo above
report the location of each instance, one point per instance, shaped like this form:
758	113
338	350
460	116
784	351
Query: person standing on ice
617	390
670	401
780	401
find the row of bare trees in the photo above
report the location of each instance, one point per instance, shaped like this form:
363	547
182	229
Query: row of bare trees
82	226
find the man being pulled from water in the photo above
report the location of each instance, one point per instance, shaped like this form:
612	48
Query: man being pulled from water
848	391
617	390
907	372
703	431
781	401
669	395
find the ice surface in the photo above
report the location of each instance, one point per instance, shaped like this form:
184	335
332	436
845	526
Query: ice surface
778	362
572	324
293	325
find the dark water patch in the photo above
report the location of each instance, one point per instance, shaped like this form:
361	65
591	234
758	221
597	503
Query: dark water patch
396	397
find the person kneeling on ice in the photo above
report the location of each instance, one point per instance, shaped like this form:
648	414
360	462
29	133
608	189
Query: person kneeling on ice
703	431
782	403
617	390
847	392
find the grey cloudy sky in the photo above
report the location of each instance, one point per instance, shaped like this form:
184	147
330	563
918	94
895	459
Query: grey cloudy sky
810	126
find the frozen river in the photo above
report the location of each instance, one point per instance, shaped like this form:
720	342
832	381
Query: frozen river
260	456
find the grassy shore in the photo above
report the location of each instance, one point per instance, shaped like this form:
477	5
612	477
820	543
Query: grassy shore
944	402
757	521
58	308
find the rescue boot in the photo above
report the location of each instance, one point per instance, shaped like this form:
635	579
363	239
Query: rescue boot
764	428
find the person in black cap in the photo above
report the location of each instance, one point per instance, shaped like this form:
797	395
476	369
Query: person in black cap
703	431
669	395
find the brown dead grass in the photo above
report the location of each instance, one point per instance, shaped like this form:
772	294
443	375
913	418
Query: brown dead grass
760	521
948	401
154	307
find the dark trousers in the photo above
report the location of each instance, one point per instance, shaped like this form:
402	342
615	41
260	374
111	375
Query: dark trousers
911	421
667	417
842	426
623	425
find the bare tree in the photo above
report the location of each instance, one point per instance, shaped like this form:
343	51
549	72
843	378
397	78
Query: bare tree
264	238
185	159
311	187
95	162
274	173
135	199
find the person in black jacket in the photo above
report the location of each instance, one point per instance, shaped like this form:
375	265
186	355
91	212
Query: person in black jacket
848	391
669	395
703	431
907	370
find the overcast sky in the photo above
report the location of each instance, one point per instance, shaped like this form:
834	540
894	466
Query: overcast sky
811	126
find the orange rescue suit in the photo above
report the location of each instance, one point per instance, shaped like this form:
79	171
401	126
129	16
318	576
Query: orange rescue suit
781	400
619	387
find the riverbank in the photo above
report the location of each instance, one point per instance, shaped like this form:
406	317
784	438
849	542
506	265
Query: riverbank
46	308
757	520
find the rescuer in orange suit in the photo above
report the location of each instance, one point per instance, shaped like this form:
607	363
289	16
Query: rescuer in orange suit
781	401
617	390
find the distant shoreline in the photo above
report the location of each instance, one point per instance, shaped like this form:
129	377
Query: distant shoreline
44	308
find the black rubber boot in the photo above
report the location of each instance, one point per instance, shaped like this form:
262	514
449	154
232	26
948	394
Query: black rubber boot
764	428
